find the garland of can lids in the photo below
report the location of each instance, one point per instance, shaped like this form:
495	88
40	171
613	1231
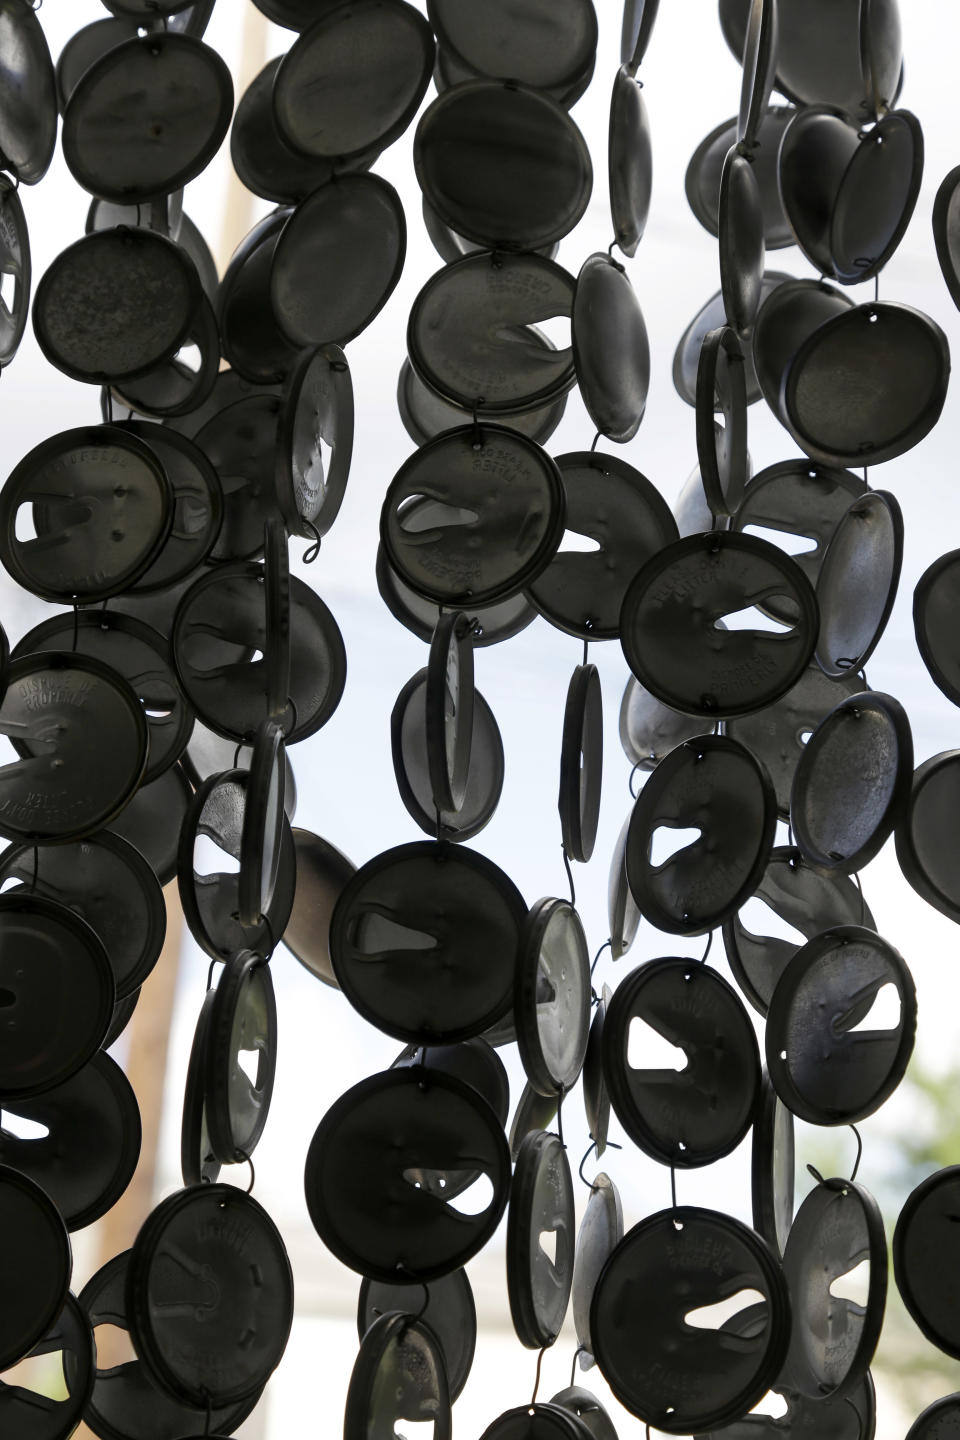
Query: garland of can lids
112	789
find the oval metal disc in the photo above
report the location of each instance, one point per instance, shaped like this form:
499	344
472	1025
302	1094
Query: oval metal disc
322	875
924	834
629	161
846	55
742	249
318	407
28	107
610	348
939	1421
450	1313
243	1020
596	1096
828	1062
622	910
852	783
946	231
924	1251
500	621
935	602
601	1231
37	1263
263	159
549	44
425	413
858	581
250	337
670	625
772	1167
552	997
448	710
649	730
399	1374
789	314
702	180
686	357
14	263
722	449
837	1228
678	1377
489	184
541	1202
701	1113
581	764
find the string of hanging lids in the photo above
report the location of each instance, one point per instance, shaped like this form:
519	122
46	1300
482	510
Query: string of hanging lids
156	709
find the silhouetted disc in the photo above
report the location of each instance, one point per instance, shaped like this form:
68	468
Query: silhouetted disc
846	55
109	885
686	357
691	508
138	654
629	161
127	1403
251	338
152	821
649	730
122	1015
758	58
165	215
494	623
722	449
546	45
222	619
86	1159
715	785
778	735
596	1096
448	710
935	602
469	333
115	304
670	625
229	389
924	1257
210	900
101	507
788	316
939	1421
852	784
702	180
622	909
472	914
477	1064
665	1371
495	522
263	160
849	193
371	1217
243	1019
354	80
601	1231
541	1199
14	263
264	819
610	348
86	46
198	1163
28	107
321	876
858	581
772	1168
58	993
533	1112
399	1374
424	413
924	833
701	1113
552	998
837	1228
241	444
318	407
946	231
581	763
30	1416
338	260
36	1264
826	1064
490	185
411	769
799	498
740	226
636	28
852	1417
81	736
197	506
807	899
450	1314
210	1295
866	386
162	86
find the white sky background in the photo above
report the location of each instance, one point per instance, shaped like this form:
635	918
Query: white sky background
347	791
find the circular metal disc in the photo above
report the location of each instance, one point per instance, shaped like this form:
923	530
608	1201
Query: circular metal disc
552	998
846	55
500	621
450	1313
828	1062
163	86
924	834
455	986
322	874
490	185
548	44
28	94
702	180
425	413
668	1373
649	730
243	1020
250	337
36	1263
485	483
610	348
541	1201
946	231
670	625
939	1421
372	1217
852	784
740	225
15	264
788	316
858	580
399	1374
629	161
318	410
265	163
686	357
924	1253
601	1231
935	603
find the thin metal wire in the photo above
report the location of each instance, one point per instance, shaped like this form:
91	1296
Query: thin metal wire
856	1163
596	441
673	1187
607	945
253	1174
210	973
566	863
312	551
633	793
560	1094
863	903
586	1156
76	625
580	1350
536	1383
703	957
